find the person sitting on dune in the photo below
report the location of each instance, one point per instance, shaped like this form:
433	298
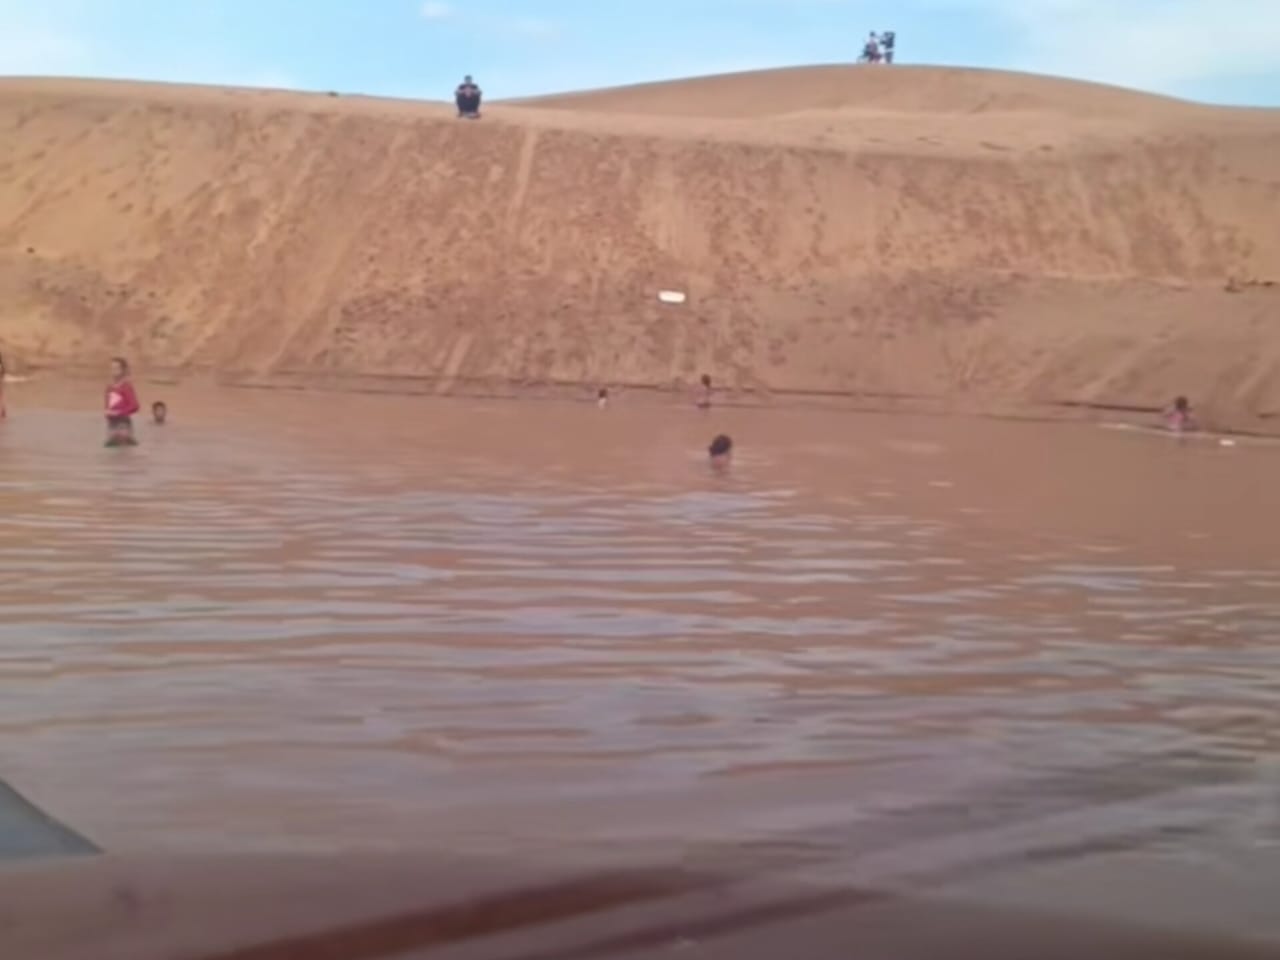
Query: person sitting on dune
468	96
871	49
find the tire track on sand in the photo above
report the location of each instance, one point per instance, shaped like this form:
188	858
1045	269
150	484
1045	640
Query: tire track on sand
329	267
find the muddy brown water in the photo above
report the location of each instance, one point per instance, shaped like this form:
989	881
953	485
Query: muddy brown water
309	622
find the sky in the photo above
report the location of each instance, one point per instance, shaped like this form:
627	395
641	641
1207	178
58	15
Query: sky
1224	51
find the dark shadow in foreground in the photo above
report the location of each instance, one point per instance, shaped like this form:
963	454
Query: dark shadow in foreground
26	831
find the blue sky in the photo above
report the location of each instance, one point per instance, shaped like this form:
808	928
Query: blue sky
1217	50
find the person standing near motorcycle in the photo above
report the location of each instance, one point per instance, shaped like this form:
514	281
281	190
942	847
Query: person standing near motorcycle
871	50
887	40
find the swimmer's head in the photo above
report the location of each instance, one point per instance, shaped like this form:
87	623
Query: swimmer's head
602	393
1182	404
159	412
119	368
720	449
706	380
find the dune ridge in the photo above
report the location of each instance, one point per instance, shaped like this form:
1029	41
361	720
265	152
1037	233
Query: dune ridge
967	236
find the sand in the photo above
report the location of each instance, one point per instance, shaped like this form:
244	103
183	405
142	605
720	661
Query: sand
969	238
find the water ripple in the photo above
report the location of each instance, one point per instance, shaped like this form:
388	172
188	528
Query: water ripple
185	631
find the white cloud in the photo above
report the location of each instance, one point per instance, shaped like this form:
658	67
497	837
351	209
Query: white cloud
534	28
31	45
436	10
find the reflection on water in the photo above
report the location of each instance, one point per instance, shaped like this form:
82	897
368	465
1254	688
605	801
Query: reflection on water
247	634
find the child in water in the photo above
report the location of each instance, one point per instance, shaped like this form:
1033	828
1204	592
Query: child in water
721	451
1179	417
121	405
159	413
703	398
602	398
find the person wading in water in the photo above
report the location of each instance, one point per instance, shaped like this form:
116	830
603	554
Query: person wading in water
702	400
721	452
1180	417
121	405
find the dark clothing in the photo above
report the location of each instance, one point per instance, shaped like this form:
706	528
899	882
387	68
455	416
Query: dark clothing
120	432
467	97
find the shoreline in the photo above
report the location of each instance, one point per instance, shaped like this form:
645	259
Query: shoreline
1134	413
921	239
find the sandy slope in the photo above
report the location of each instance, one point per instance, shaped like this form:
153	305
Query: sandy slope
967	235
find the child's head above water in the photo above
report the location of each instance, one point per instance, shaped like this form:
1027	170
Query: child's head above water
119	368
720	447
159	412
706	380
1182	404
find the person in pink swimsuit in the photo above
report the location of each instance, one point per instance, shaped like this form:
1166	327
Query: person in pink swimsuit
121	403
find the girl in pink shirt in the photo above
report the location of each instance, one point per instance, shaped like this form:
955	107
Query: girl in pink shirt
121	405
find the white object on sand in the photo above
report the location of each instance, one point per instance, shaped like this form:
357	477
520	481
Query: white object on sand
671	296
1224	442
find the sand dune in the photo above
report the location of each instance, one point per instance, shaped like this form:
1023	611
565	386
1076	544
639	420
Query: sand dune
909	89
967	236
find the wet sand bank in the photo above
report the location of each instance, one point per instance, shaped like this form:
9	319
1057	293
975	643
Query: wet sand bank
1048	409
